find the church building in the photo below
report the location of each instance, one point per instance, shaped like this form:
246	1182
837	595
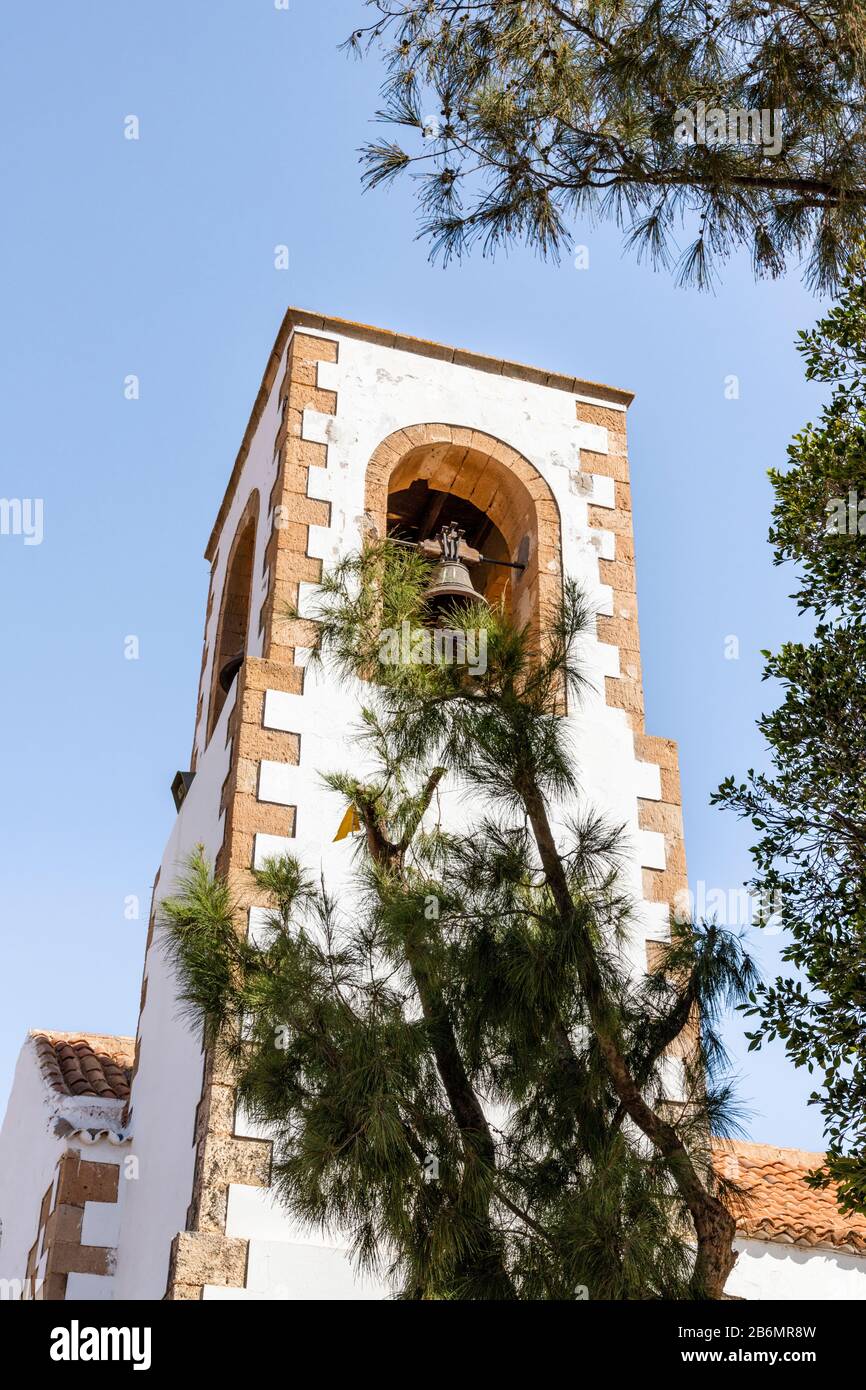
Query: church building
127	1171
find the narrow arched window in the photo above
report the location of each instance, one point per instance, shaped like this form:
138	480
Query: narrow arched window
231	639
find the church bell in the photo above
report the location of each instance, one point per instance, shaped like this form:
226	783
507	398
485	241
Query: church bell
450	585
230	670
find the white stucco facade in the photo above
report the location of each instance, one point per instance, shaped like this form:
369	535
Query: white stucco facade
770	1270
168	1080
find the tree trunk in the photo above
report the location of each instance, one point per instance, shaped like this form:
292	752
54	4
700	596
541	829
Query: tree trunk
714	1226
466	1108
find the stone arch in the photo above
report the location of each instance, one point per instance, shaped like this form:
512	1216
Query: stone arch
499	482
232	634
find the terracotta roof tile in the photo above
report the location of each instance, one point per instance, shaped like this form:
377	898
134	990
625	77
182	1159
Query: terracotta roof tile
775	1204
85	1064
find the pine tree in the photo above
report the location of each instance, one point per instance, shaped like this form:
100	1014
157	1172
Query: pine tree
809	808
460	1068
532	114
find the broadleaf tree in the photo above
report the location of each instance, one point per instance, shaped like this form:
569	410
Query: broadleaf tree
700	126
809	808
462	1071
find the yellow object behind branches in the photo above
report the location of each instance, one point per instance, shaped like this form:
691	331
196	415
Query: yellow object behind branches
349	824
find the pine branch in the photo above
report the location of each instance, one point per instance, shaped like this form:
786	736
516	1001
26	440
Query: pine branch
549	109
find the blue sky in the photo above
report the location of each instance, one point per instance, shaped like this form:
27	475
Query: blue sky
156	258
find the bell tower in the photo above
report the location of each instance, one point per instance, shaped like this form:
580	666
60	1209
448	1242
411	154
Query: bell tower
359	431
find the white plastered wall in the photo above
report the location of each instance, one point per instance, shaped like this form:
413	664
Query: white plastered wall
771	1270
29	1151
167	1084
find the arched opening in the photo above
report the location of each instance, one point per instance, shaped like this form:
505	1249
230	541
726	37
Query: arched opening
426	476
231	639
